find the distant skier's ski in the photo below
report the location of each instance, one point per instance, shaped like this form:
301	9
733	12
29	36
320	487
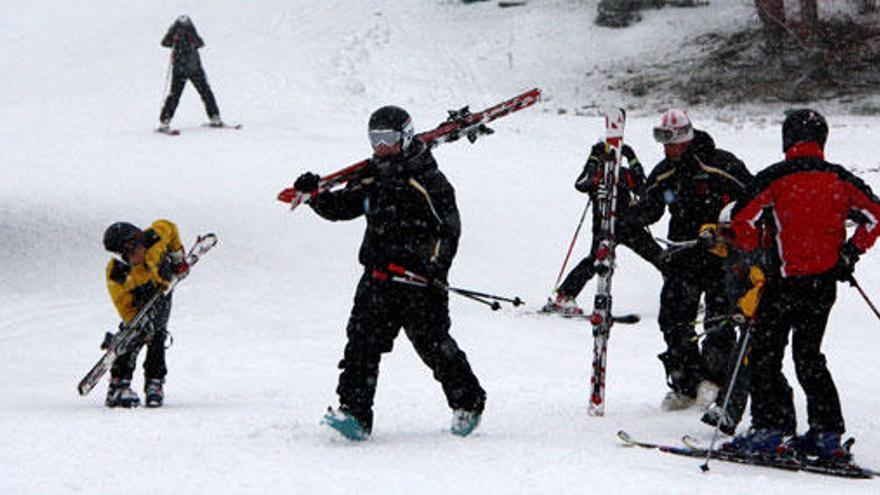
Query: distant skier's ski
133	335
222	126
841	469
168	132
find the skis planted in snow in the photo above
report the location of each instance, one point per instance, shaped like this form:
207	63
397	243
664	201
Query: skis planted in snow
461	123
133	335
844	469
601	319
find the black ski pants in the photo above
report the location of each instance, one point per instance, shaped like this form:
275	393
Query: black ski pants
200	81
639	240
154	364
381	309
689	276
798	306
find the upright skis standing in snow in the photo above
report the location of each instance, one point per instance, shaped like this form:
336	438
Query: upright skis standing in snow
615	119
133	335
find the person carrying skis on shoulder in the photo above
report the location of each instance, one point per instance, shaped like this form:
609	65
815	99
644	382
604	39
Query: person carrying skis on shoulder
591	181
186	64
148	261
809	200
694	182
412	222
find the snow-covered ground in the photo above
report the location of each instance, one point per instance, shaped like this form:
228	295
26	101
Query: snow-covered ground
259	329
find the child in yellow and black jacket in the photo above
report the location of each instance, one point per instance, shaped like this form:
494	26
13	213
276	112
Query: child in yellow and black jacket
148	261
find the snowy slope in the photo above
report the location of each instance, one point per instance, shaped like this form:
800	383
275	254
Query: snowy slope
260	328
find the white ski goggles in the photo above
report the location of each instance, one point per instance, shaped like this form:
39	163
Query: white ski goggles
673	135
385	137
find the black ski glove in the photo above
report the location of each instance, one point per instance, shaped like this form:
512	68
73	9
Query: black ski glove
629	154
307	182
846	262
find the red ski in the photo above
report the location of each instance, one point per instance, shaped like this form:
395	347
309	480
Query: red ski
601	319
460	123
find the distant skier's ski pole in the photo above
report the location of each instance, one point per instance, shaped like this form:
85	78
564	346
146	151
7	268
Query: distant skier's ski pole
742	352
852	281
571	245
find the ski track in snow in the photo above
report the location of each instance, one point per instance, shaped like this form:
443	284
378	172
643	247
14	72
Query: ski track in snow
259	327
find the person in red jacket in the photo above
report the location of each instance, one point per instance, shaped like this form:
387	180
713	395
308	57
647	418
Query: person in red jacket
808	200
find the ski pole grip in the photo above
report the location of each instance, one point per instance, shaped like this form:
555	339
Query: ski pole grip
395	268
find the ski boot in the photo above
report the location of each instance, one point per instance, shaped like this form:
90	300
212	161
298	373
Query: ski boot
676	401
164	126
120	394
153	394
464	422
821	447
563	305
347	424
757	442
216	121
715	415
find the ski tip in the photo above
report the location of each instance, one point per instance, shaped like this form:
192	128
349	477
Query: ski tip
625	437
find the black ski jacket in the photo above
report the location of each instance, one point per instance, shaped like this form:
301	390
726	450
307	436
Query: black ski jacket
184	42
631	182
412	218
695	188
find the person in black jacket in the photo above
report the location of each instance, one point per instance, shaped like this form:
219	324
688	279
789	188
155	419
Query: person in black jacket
186	64
413	222
591	181
694	182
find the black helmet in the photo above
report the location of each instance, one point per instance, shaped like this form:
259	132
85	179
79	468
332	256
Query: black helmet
118	235
803	126
394	119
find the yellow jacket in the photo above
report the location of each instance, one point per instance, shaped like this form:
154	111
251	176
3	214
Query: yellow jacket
131	286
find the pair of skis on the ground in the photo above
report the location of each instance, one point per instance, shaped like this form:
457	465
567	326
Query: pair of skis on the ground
176	132
138	332
690	448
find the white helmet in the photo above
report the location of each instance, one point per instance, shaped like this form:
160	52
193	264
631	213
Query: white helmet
726	214
675	127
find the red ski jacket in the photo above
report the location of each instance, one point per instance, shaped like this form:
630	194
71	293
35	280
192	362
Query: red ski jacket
808	201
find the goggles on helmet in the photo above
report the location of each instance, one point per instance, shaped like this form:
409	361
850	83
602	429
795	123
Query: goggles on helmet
385	137
669	135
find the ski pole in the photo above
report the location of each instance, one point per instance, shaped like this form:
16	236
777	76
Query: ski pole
852	281
516	301
407	277
742	352
571	245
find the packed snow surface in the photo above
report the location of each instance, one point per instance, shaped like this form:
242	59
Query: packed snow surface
259	326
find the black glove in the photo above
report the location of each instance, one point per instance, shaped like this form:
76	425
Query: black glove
598	151
629	154
307	182
846	262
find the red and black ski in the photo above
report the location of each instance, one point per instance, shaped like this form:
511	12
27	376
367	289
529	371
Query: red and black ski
461	123
601	319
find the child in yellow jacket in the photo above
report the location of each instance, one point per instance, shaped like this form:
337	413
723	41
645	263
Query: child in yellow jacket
148	260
